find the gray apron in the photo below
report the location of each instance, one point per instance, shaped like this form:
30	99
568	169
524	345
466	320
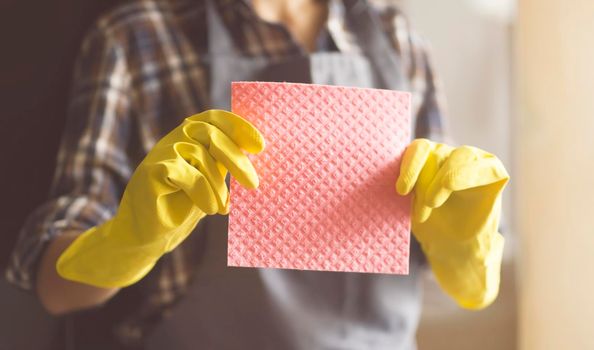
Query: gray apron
246	308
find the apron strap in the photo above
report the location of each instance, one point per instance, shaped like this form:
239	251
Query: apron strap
220	41
374	44
362	21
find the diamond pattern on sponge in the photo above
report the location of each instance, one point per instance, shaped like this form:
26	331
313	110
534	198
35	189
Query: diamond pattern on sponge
326	199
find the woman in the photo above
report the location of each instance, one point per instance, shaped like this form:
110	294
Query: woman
145	67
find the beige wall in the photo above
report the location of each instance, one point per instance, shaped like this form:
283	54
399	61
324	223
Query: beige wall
554	158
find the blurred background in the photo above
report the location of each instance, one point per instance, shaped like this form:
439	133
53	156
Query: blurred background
519	81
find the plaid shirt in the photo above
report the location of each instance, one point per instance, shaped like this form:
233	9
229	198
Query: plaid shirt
140	72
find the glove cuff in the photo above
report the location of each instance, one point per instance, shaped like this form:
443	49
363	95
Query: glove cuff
104	258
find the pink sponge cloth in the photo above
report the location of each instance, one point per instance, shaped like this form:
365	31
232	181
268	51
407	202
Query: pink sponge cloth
326	199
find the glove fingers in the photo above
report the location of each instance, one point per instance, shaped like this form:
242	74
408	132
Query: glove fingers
413	162
198	157
424	180
239	130
481	172
223	171
420	210
439	191
225	151
467	167
193	183
437	195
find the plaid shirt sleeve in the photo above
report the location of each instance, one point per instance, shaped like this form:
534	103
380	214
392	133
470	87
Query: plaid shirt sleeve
431	119
93	164
428	104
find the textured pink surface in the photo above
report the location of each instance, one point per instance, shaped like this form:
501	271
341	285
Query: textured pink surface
326	199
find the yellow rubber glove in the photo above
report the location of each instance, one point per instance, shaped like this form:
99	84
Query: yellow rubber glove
455	216
181	180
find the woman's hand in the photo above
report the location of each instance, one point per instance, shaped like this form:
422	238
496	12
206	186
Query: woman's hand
455	217
181	180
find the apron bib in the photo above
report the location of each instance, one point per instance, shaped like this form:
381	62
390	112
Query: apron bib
244	308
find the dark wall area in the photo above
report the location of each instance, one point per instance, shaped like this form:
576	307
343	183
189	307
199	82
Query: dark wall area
39	41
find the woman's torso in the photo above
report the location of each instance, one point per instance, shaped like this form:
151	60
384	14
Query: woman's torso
168	50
